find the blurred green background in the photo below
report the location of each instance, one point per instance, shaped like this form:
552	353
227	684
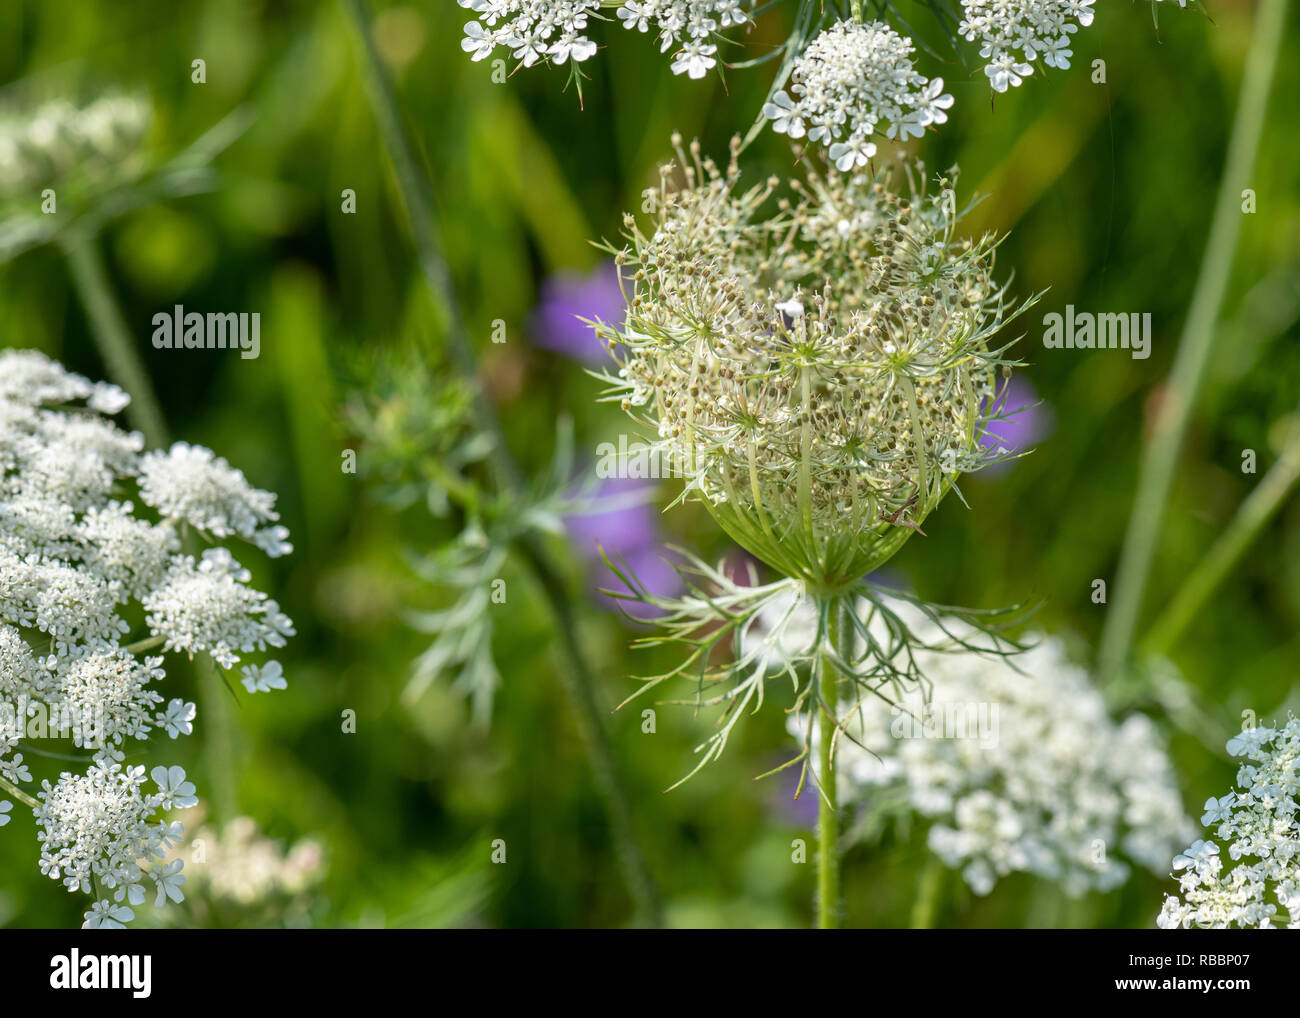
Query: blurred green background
1107	191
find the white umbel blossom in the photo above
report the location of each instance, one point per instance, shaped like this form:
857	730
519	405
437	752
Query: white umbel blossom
189	483
1014	33
60	142
533	30
245	868
1015	762
106	697
30	379
209	606
554	31
1255	881
852	82
691	24
104	826
90	536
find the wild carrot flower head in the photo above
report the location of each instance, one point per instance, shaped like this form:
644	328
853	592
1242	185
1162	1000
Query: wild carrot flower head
535	30
822	374
1015	762
91	533
1256	882
852	80
555	31
1014	33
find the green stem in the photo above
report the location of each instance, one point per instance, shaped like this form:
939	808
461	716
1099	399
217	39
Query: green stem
412	187
585	697
1195	346
219	745
928	888
18	793
1254	513
112	336
828	820
856	7
148	643
578	677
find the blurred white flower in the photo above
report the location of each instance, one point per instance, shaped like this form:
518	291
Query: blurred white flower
1016	763
242	866
55	142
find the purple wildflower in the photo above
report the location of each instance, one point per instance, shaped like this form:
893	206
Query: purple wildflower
1023	421
629	534
569	297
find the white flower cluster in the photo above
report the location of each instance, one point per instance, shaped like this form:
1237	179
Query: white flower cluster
76	561
1014	33
99	830
1016	763
692	23
533	30
59	139
189	483
554	30
851	79
242	866
1261	827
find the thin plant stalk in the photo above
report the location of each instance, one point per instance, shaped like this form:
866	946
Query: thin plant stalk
1252	516
219	742
578	677
113	339
929	887
18	793
580	685
108	326
828	818
1195	346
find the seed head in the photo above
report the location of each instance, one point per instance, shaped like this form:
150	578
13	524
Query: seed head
823	374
